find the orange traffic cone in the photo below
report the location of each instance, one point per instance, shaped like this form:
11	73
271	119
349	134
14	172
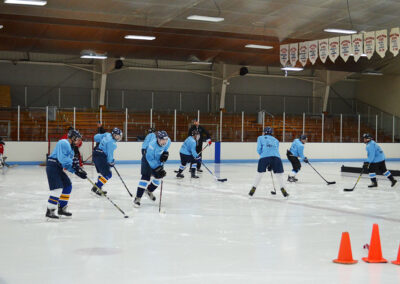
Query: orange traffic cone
345	256
375	250
398	258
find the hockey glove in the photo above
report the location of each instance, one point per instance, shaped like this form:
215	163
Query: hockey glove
365	166
159	172
305	160
75	162
209	141
81	173
164	157
111	164
143	152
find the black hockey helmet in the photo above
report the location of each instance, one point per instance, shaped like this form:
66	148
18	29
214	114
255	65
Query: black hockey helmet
151	130
162	137
303	137
74	134
367	136
116	133
268	130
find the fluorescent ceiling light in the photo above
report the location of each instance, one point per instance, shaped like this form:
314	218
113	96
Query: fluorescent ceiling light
205	18
94	56
292	69
140	37
340	31
202	62
373	73
26	2
258	46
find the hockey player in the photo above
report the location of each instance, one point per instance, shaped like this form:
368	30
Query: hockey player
204	136
103	157
59	183
375	163
268	149
149	137
2	158
153	165
189	154
296	151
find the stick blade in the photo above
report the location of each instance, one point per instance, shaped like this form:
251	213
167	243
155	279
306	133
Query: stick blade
222	179
331	182
348	189
273	192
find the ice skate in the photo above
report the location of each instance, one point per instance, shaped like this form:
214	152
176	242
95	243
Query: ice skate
373	184
193	174
150	195
63	211
180	175
136	202
51	213
98	192
393	181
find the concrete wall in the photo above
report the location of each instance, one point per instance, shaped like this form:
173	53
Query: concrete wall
230	151
382	92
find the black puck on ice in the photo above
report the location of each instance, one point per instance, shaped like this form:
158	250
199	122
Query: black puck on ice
126	216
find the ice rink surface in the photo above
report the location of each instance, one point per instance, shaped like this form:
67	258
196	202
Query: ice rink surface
207	232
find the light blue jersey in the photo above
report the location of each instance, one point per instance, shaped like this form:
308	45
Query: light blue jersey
267	146
154	151
297	148
150	137
107	145
64	153
189	147
375	153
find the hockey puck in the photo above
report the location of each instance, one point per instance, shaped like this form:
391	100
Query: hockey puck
126	216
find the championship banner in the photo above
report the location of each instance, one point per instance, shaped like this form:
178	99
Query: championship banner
369	44
358	47
303	53
293	53
381	42
345	47
394	41
333	48
313	51
283	54
323	49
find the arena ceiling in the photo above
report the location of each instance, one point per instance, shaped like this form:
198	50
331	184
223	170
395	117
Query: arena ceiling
68	27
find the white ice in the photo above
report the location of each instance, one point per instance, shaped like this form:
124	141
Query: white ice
207	232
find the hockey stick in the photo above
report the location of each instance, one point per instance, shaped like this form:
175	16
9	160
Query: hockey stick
328	182
273	184
87	159
122	181
102	193
159	202
351	189
216	178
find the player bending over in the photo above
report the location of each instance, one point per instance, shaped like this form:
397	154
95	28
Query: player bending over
103	157
149	137
153	165
375	163
189	154
268	149
59	183
296	151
